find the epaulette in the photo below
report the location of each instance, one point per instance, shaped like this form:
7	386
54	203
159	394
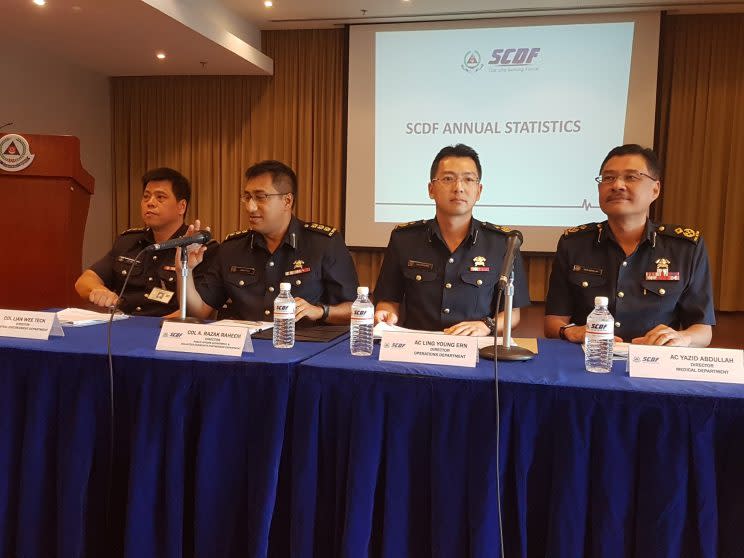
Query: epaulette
410	225
237	234
134	230
496	228
322	229
589	227
678	231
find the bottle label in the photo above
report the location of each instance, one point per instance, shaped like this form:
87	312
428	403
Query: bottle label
284	310
362	316
601	330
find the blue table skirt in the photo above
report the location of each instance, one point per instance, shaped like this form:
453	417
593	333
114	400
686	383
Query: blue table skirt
399	460
198	441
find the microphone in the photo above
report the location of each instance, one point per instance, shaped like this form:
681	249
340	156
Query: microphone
202	237
513	242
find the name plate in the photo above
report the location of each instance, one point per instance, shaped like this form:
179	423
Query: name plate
29	325
685	363
449	350
204	339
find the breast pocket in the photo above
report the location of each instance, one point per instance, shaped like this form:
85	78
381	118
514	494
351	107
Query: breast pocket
479	290
308	286
586	287
661	298
240	282
123	268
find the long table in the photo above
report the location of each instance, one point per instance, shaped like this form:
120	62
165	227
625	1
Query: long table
314	452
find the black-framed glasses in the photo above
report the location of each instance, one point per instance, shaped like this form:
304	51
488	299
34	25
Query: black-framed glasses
627	178
258	197
451	180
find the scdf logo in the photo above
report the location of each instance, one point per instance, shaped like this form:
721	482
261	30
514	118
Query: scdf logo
514	56
472	61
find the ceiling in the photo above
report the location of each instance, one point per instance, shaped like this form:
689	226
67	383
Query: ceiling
222	37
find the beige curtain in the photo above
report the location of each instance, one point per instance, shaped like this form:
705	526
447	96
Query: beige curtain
700	138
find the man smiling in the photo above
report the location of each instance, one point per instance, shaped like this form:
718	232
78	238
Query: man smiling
656	277
151	288
249	265
440	274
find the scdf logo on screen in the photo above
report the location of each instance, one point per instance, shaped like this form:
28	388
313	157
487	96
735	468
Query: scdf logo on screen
472	61
513	57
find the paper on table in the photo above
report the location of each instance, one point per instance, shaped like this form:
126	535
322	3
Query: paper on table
253	327
382	327
78	317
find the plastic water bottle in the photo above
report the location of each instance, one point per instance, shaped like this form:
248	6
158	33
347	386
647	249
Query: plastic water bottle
284	318
599	342
362	323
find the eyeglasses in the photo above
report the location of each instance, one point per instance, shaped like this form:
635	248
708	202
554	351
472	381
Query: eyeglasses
258	197
451	180
627	178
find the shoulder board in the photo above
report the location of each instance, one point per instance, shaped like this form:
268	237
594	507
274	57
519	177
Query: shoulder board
134	230
410	225
679	231
588	227
237	234
322	229
496	228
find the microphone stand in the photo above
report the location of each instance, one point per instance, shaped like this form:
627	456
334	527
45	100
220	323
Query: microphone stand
184	277
506	351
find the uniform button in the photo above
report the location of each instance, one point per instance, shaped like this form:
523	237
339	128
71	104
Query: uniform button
138	309
298	282
479	282
418	277
448	285
154	258
451	260
617	324
661	228
170	278
267	312
625	264
584	284
241	282
446	310
271	289
224	305
662	291
149	278
621	294
271	264
123	271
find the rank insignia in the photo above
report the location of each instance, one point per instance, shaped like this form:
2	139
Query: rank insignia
662	272
480	264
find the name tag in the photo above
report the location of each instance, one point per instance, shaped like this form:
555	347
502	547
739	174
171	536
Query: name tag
29	325
204	339
685	363
449	350
160	295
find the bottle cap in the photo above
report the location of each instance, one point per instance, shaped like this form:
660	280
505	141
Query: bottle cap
600	301
288	286
363	291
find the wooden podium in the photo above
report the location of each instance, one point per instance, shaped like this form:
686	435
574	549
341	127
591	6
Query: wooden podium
44	208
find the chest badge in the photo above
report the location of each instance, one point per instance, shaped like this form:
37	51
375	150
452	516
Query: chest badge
298	267
480	264
662	272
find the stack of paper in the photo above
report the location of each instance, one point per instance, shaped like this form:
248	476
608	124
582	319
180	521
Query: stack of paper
79	317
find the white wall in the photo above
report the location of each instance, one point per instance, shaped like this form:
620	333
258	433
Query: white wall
43	94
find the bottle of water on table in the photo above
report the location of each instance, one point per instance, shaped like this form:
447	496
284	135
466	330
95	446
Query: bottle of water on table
362	323
599	342
284	318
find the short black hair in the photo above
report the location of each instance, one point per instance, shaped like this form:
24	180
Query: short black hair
283	177
179	183
652	161
459	150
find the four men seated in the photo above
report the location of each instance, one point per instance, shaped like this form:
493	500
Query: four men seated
437	274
